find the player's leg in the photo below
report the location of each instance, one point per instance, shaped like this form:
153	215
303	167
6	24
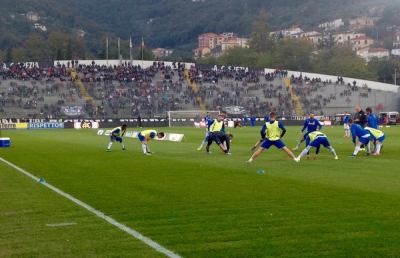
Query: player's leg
112	139
280	145
266	144
119	139
205	140
209	142
299	142
378	147
304	152
327	145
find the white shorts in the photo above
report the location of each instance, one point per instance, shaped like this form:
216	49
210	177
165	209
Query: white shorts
346	126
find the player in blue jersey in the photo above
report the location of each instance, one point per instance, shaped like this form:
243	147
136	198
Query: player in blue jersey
116	136
360	136
216	128
317	139
372	119
311	124
206	120
272	132
346	126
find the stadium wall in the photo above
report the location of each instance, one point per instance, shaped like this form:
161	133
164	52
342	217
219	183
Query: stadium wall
359	82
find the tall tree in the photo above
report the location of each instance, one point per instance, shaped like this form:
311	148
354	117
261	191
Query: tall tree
260	40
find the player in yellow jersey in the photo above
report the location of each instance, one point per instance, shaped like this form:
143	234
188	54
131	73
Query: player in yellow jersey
116	136
272	132
146	136
378	136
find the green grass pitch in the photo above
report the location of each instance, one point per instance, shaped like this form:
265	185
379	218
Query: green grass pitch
195	204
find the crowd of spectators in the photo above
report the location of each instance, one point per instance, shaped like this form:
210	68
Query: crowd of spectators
130	91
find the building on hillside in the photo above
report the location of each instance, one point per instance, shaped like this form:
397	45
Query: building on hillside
369	53
361	42
346	37
396	43
32	16
395	52
314	37
293	32
362	22
162	52
215	44
40	27
331	25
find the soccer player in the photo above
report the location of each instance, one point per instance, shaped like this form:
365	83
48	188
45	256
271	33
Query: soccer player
272	132
116	135
378	136
147	135
317	139
346	126
372	119
363	136
222	139
216	129
311	124
207	118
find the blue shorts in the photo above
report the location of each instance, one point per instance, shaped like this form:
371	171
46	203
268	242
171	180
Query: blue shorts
116	138
320	141
267	143
381	139
141	137
364	140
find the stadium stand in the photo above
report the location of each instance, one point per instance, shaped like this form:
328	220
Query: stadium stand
112	91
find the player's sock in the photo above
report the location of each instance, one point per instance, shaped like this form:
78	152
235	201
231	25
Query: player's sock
333	151
304	152
250	160
148	149
144	148
122	145
368	148
109	145
356	150
378	148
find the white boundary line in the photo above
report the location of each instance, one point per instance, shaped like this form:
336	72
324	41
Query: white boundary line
99	214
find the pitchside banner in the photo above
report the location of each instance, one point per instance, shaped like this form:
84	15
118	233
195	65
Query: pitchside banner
172	137
14	126
46	125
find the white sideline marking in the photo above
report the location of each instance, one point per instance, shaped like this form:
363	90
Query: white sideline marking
62	224
99	214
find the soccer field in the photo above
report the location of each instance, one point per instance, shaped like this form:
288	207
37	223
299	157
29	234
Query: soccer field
196	204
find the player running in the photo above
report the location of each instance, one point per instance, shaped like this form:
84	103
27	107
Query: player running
363	136
207	118
116	135
272	132
317	139
378	136
145	137
311	124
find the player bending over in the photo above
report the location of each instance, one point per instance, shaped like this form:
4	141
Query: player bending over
317	139
363	136
272	132
116	135
222	139
146	136
311	124
378	137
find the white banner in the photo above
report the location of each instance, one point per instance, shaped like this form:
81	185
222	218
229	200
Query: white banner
172	137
